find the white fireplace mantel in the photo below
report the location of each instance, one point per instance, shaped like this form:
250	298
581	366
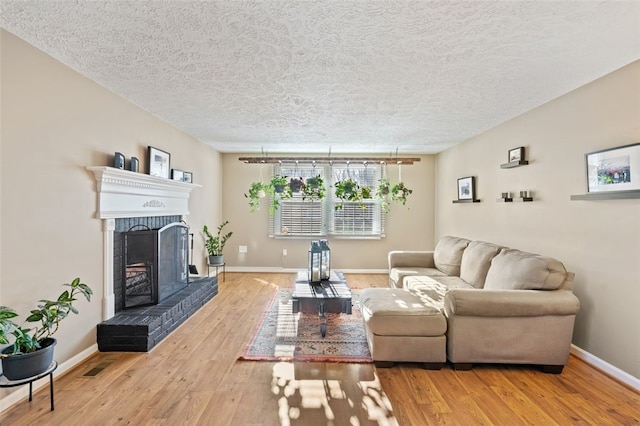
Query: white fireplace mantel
122	194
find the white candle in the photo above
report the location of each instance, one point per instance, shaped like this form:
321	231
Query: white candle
315	274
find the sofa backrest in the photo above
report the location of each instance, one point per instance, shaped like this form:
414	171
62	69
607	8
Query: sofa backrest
476	261
519	270
447	255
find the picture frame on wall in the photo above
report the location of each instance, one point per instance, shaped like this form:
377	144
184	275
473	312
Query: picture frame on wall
516	154
467	188
188	177
159	162
177	175
613	169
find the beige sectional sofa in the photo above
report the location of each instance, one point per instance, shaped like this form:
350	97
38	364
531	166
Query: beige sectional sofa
472	302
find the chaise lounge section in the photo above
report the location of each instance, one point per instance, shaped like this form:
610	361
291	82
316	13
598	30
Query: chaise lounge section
500	305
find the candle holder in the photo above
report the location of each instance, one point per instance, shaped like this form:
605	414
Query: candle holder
314	267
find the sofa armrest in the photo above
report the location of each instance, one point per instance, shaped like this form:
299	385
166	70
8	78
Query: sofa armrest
404	258
509	303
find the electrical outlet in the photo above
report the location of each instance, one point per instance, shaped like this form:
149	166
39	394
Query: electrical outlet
284	252
242	249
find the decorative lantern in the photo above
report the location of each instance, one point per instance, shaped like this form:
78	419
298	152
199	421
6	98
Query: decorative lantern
326	260
314	271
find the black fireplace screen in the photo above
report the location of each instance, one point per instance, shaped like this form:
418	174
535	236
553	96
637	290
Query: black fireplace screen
155	264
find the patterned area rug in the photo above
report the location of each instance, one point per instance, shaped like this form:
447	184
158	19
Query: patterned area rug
285	336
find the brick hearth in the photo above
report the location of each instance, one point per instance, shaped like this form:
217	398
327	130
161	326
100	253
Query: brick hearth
140	329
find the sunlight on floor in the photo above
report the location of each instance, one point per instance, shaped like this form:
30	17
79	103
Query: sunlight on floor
310	390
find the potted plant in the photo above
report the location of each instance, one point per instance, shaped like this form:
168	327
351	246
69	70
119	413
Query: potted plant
257	191
382	193
314	189
279	185
347	190
215	245
400	192
32	350
296	184
278	188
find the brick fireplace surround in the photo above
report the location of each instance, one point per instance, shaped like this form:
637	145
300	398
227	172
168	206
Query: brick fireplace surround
126	199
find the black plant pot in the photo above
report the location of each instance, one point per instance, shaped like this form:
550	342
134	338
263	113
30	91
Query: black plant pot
22	366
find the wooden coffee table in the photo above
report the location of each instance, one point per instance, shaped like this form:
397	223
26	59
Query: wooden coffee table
332	296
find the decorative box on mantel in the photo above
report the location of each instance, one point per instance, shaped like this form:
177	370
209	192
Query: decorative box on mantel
127	194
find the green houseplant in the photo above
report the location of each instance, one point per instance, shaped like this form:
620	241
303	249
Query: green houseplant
382	193
347	190
31	352
314	189
257	191
400	193
279	189
215	244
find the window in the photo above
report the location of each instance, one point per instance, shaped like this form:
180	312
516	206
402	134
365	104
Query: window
296	217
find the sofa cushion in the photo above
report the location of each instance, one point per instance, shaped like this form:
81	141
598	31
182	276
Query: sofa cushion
397	312
397	275
476	261
447	255
518	270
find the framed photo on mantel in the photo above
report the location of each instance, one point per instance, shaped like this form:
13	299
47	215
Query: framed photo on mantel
159	162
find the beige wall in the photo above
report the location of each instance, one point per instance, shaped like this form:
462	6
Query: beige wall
598	240
55	123
407	228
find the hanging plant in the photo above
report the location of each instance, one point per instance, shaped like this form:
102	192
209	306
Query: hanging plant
279	185
400	192
347	190
314	189
257	191
296	184
365	192
382	193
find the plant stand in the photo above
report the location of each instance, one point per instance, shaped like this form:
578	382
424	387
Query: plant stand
6	383
217	265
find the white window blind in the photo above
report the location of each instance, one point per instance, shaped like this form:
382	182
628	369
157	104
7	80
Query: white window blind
357	219
296	217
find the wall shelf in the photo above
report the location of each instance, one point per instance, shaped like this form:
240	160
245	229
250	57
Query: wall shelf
616	195
513	164
515	200
465	201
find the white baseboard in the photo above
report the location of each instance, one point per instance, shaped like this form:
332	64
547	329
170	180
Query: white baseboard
607	368
22	392
277	269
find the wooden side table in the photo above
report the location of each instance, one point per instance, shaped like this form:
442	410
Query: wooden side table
217	265
6	383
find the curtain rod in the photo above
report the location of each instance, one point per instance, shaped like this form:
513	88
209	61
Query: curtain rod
327	160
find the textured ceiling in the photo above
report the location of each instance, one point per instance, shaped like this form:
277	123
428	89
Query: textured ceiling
356	76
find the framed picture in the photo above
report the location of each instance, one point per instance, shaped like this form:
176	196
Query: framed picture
614	169
177	174
467	188
516	154
159	162
188	177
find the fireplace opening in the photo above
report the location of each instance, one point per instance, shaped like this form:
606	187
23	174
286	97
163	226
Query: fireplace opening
155	264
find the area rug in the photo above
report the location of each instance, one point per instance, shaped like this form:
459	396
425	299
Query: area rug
285	336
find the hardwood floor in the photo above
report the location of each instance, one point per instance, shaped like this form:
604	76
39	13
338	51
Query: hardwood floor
193	378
